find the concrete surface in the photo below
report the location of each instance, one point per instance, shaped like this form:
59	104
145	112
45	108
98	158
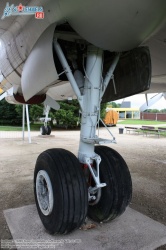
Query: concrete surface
131	231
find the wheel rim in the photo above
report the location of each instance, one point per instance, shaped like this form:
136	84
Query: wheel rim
44	192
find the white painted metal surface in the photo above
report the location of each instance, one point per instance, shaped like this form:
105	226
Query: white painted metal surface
151	101
44	192
23	121
109	24
114	25
51	102
38	76
68	71
28	123
91	102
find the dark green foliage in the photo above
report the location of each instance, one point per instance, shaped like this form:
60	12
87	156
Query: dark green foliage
68	114
115	105
103	110
9	115
155	111
36	111
163	111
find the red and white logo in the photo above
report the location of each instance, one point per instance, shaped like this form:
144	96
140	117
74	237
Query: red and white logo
20	7
39	15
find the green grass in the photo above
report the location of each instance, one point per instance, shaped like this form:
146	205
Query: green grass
141	122
34	127
10	128
146	122
162	133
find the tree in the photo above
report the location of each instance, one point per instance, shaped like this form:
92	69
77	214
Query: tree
36	111
163	111
9	115
114	104
68	114
103	110
18	109
152	111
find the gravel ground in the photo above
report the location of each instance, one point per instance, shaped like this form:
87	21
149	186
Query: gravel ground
145	156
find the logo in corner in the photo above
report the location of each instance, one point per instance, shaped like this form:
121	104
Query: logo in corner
12	10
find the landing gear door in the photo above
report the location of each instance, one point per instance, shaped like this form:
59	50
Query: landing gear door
132	75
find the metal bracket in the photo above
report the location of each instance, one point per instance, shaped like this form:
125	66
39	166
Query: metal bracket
114	85
95	174
68	72
97	140
114	139
109	74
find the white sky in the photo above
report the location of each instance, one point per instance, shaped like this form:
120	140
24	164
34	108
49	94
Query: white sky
138	100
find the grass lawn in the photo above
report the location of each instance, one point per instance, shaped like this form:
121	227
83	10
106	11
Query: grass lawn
141	122
145	122
10	128
34	127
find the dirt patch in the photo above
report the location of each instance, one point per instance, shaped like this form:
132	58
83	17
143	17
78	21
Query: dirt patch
145	157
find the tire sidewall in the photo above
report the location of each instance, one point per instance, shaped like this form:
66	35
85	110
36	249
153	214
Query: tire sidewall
57	193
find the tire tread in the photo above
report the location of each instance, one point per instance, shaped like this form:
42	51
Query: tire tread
64	168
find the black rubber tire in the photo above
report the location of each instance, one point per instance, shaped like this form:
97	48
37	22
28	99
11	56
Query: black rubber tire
43	130
48	130
69	191
116	196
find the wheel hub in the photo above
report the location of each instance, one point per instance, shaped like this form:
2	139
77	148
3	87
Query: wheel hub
44	192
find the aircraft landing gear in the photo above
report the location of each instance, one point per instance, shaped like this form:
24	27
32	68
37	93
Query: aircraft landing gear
45	129
64	184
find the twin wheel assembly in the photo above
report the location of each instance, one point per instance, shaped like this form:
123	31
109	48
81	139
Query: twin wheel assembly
45	130
62	186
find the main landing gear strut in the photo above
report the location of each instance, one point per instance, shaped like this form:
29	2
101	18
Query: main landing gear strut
97	183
